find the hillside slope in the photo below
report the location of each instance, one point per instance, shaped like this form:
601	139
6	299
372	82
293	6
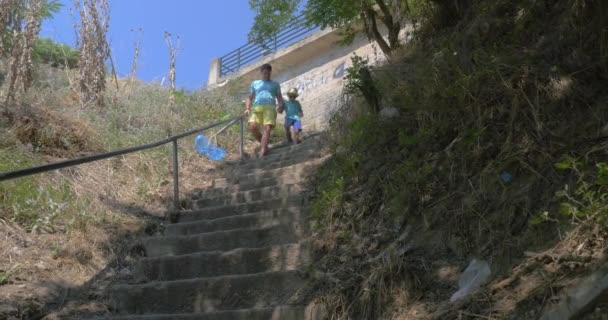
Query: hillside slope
499	153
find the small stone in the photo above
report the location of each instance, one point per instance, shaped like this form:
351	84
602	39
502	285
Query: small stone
340	150
40	265
605	130
579	297
389	113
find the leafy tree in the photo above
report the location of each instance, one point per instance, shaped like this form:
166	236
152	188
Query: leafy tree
55	54
373	15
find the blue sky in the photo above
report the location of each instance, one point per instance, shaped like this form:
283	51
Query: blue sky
207	28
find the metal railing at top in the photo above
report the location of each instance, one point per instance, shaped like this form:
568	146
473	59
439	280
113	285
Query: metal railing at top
232	62
173	139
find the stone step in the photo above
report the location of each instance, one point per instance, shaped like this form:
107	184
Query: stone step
240	221
263	181
277	313
274	159
215	212
300	152
236	262
223	240
285	147
284	162
252	184
270	182
227	198
262	290
294	172
303	168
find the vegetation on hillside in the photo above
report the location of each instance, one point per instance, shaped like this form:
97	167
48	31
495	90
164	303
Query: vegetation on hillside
499	152
71	224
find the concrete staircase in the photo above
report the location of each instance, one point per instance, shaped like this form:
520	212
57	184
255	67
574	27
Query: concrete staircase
239	254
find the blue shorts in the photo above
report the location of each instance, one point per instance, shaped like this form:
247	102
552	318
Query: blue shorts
297	124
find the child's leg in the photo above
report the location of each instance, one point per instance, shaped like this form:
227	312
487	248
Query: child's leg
288	131
297	128
294	135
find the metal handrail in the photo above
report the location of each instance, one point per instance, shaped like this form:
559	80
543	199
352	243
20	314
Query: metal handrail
233	61
173	139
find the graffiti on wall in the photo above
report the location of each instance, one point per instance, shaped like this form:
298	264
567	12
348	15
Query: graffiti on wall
339	71
313	81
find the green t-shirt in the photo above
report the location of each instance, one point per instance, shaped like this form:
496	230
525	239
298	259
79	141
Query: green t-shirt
293	108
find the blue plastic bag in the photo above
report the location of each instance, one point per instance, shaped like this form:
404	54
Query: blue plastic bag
201	144
215	153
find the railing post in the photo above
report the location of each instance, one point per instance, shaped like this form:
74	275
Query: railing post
275	42
176	205
238	59
241	141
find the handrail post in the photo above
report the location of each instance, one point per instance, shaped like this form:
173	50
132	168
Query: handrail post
176	205
238	59
241	142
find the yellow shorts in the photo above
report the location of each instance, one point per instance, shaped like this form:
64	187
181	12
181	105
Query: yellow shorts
263	115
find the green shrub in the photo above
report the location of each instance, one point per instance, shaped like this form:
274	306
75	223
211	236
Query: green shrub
55	54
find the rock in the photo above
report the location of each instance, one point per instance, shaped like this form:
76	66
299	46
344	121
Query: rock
387	113
341	150
8	310
579	298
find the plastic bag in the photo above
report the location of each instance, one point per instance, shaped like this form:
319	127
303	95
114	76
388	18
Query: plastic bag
476	274
215	153
201	144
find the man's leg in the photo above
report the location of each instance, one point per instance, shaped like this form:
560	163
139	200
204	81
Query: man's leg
253	127
264	142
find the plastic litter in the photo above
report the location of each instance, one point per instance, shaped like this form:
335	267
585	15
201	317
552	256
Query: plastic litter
474	276
215	153
204	147
506	177
201	144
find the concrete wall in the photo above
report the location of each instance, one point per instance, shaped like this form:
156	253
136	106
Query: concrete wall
315	65
320	80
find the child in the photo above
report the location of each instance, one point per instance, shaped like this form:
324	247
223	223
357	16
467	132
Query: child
293	116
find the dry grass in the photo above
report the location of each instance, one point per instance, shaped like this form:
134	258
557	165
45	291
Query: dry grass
133	74
23	39
173	46
7	9
94	50
54	134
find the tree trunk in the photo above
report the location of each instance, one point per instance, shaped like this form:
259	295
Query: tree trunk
451	11
368	15
391	19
